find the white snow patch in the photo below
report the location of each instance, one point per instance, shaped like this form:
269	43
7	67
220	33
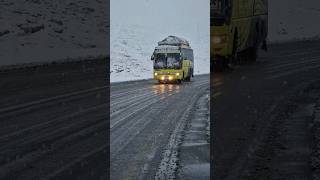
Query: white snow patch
138	26
293	20
34	31
130	53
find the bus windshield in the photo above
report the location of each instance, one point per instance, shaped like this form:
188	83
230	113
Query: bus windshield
167	61
221	12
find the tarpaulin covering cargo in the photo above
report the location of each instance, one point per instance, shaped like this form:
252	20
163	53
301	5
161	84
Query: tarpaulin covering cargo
174	41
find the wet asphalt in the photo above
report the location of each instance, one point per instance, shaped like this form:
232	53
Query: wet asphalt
263	125
265	121
147	126
53	121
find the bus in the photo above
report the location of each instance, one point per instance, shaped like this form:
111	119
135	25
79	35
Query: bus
172	60
237	29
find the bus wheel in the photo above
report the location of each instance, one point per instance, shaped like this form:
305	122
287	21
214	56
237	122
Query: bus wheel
217	67
179	81
220	64
188	78
160	82
235	59
252	54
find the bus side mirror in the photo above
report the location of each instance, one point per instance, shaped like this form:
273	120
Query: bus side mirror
152	57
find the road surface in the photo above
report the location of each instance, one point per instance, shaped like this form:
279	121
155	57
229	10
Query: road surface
159	131
54	121
265	123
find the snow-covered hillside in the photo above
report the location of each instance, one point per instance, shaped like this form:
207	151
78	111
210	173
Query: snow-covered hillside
293	20
137	27
130	53
46	30
133	45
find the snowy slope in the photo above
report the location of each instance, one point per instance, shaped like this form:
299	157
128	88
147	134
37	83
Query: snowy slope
288	20
133	45
46	30
130	53
137	27
57	30
293	20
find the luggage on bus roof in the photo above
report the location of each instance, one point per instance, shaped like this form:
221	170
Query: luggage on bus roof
174	40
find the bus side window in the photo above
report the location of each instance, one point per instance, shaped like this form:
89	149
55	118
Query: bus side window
191	56
183	54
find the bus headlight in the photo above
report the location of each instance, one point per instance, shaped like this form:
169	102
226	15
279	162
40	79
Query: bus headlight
162	78
170	78
219	39
156	74
177	74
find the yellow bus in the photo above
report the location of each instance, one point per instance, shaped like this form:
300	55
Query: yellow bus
237	29
172	60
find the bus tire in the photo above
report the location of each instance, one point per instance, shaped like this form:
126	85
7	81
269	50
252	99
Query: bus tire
252	54
235	59
188	78
217	67
220	64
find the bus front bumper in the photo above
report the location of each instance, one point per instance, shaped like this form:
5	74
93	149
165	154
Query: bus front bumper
168	77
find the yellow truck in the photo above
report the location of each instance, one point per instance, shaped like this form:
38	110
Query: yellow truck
172	60
237	29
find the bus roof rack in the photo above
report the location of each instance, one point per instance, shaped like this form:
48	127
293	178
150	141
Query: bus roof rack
174	41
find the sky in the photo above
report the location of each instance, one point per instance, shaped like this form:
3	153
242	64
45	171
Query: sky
185	18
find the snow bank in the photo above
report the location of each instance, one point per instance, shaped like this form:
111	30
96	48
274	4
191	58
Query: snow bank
293	20
34	31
